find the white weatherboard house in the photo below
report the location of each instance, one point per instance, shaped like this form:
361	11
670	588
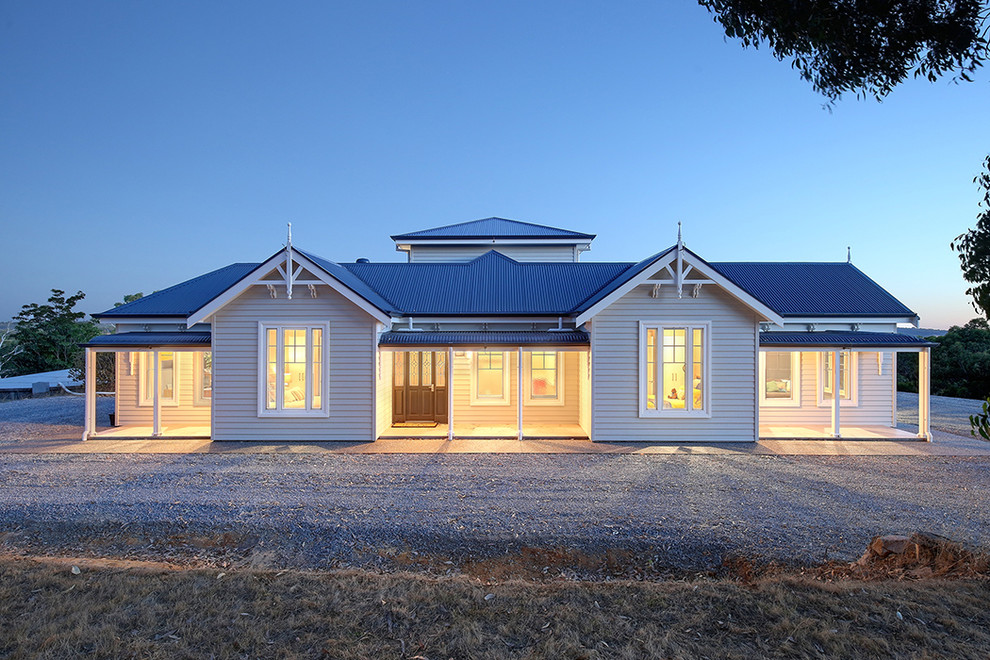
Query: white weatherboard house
495	328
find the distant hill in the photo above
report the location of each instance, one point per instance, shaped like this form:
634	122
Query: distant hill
922	332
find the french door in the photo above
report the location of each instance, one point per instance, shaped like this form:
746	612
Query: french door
419	386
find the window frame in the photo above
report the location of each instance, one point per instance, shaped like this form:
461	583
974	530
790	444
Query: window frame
852	399
198	373
795	400
528	398
147	360
689	327
506	397
280	327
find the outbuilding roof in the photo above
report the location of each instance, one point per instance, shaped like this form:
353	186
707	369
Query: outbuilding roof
493	228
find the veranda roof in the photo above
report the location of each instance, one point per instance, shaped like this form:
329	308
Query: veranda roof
841	339
483	338
137	340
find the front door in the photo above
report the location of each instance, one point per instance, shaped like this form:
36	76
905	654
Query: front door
419	386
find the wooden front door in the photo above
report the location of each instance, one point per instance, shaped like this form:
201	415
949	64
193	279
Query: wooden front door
419	386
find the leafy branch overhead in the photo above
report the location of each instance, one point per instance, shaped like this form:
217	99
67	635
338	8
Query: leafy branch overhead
862	46
974	249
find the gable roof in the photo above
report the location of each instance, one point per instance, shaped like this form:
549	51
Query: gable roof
489	284
493	228
182	299
814	289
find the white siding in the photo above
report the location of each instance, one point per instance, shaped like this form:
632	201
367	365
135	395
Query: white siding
351	369
463	253
873	406
131	413
615	368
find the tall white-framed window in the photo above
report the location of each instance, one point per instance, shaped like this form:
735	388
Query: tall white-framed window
543	375
292	369
780	378
848	362
168	378
490	378
674	369
202	378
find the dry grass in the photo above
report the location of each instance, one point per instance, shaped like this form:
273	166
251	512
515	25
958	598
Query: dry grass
116	609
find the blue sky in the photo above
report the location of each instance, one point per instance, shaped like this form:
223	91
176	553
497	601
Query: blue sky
145	143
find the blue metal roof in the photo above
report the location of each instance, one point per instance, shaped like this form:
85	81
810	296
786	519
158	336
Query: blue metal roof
182	299
493	228
355	284
483	338
488	285
837	339
813	289
134	340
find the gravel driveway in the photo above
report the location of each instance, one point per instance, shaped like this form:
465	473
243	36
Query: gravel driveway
314	510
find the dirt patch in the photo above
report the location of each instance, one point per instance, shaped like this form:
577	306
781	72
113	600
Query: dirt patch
915	557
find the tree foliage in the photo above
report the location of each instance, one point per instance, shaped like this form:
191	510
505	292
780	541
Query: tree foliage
974	249
130	297
960	364
50	334
862	46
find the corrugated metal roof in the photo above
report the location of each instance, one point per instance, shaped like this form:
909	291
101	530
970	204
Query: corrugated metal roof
493	228
813	289
482	338
354	283
489	284
837	339
182	299
150	339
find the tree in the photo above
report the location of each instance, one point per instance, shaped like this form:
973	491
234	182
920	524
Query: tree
974	249
50	334
862	46
9	348
130	297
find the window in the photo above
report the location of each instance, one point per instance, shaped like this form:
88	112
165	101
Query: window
491	378
544	378
168	385
292	379
203	379
674	369
847	378
780	378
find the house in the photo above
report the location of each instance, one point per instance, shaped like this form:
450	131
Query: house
498	328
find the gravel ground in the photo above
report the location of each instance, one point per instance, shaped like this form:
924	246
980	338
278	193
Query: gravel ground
317	510
948	414
687	512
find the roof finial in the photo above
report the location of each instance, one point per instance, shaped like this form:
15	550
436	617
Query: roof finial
849	254
289	243
680	243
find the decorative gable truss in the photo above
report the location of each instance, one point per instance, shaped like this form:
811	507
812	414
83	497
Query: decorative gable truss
686	272
283	274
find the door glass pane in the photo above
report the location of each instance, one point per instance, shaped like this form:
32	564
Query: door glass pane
698	370
272	367
674	368
294	350
414	368
427	373
651	368
441	369
398	369
317	367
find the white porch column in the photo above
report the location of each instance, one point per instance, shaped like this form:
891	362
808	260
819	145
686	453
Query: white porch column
519	389
450	394
836	405
89	426
156	429
924	394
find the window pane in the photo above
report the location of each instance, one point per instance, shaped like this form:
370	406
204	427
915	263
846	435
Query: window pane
427	372
543	370
148	375
651	369
490	380
166	376
674	369
317	368
271	369
207	366
414	369
779	382
294	368
698	370
844	375
441	369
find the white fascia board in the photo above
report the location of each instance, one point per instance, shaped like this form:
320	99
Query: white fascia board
404	320
662	262
859	320
142	320
254	277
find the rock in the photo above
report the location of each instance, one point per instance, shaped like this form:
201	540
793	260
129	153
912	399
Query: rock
75	570
892	544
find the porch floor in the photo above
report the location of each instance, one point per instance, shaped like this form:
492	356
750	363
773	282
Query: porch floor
144	432
468	431
824	433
